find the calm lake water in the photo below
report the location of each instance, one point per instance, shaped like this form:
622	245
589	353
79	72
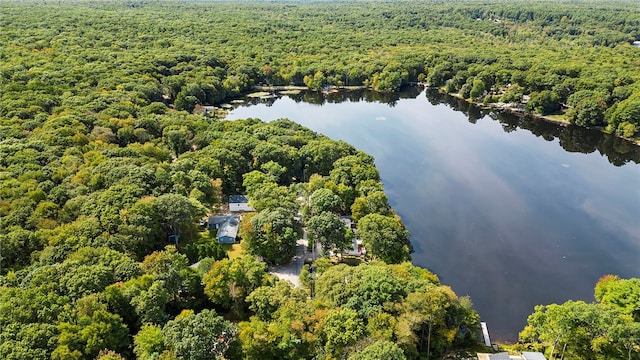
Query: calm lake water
513	212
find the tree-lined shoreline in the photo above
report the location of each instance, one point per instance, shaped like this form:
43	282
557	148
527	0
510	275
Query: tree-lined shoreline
191	53
103	160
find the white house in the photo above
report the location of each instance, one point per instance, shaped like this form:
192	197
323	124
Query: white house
239	203
356	249
346	220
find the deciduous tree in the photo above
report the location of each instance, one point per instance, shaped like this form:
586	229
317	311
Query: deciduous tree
327	229
202	336
230	281
385	238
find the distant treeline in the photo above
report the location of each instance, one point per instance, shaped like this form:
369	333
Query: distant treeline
111	58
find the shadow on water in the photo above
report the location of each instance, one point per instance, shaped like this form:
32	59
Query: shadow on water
320	98
571	138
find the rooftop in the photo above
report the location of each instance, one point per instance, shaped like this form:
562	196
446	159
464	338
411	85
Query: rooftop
220	221
228	228
238	199
498	356
528	355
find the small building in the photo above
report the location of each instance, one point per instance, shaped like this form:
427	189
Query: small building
346	220
239	203
356	249
227	227
636	43
215	221
204	109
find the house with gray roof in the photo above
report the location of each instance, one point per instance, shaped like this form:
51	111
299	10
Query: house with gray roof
227	227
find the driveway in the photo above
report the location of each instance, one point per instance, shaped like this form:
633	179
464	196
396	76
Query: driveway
292	270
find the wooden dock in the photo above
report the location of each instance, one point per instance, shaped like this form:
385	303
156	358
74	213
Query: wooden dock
485	334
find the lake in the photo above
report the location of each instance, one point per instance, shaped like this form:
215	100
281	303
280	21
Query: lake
511	211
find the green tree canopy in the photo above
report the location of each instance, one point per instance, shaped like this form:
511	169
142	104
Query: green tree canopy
327	229
228	282
579	330
271	234
385	238
379	350
199	337
324	200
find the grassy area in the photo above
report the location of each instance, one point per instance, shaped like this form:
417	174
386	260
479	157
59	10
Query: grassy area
561	118
205	236
233	250
258	94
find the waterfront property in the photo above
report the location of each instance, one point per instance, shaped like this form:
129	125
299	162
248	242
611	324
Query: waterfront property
490	185
357	249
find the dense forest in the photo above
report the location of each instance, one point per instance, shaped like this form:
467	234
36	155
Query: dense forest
110	57
85	267
105	155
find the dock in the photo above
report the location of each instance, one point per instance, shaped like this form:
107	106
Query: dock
485	334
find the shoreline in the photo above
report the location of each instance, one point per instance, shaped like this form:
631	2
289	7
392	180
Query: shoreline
513	108
516	110
306	88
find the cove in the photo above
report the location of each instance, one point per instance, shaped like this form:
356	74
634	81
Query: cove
512	211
